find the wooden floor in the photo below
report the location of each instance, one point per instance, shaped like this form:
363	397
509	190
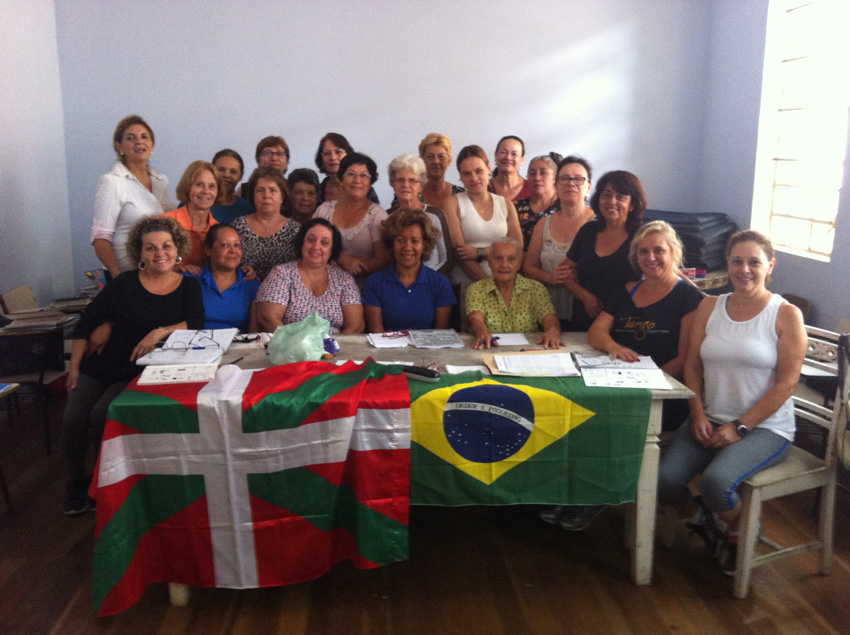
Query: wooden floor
473	570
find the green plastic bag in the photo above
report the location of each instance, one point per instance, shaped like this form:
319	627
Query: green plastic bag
302	341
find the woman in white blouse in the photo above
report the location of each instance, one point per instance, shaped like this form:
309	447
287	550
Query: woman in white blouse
132	189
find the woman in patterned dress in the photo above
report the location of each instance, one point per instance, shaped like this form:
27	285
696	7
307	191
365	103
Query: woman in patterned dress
311	284
358	218
267	235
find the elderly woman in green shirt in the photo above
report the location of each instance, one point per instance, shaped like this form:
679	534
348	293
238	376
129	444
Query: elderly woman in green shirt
509	302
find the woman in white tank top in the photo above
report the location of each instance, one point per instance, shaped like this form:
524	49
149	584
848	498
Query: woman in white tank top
743	364
476	217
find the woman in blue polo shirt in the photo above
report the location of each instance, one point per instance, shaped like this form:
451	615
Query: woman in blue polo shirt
228	297
407	294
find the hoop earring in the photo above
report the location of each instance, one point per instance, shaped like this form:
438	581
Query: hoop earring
179	259
142	265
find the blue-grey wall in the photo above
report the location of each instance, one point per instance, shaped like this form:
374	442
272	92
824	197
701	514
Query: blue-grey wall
667	89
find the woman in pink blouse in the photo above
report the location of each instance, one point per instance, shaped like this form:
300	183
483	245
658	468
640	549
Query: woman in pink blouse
311	284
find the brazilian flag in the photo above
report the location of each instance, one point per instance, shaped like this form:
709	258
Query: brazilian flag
502	440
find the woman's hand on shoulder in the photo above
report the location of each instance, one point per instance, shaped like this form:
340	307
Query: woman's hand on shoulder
352	265
194	270
249	272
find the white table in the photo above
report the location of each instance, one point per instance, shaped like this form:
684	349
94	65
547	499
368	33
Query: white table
640	528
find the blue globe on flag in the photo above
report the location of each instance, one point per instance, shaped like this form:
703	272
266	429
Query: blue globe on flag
489	423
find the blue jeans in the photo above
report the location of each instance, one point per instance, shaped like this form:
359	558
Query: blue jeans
722	469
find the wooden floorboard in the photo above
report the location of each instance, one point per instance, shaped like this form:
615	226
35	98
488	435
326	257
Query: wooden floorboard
472	570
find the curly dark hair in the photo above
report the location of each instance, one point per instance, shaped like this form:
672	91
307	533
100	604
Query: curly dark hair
401	219
357	158
150	224
625	183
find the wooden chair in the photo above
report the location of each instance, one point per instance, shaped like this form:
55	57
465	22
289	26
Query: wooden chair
800	471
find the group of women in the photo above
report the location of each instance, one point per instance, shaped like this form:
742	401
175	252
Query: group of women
329	247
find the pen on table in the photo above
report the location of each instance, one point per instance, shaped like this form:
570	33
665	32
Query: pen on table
239	359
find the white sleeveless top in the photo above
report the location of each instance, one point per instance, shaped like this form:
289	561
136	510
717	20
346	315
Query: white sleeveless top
479	232
739	366
552	253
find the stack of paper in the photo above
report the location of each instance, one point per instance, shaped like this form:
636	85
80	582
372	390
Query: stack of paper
533	364
191	347
601	370
388	340
436	338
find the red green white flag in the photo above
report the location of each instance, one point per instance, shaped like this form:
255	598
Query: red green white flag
259	478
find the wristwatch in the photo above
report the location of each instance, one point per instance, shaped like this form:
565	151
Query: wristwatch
482	254
741	428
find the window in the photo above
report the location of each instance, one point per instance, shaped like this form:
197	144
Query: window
802	138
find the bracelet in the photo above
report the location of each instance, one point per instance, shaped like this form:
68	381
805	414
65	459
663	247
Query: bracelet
167	330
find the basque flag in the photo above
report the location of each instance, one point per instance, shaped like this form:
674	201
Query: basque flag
259	478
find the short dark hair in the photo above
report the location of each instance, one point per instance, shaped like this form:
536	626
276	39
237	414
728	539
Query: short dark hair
513	137
574	158
338	140
401	219
356	158
270	142
213	232
272	174
121	128
227	152
303	175
750	236
626	183
336	247
471	151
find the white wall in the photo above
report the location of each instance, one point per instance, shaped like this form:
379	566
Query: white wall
728	161
667	89
609	79
34	226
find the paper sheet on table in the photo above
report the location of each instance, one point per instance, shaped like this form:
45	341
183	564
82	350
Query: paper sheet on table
177	374
604	361
454	369
436	338
385	340
511	339
191	347
626	378
532	364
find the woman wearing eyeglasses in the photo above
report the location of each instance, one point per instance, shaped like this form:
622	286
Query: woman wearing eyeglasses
272	152
332	150
358	219
510	152
552	237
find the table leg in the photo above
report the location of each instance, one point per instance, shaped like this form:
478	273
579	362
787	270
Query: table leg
178	594
640	528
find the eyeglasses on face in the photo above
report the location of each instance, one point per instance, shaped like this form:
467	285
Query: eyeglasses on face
269	153
578	180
